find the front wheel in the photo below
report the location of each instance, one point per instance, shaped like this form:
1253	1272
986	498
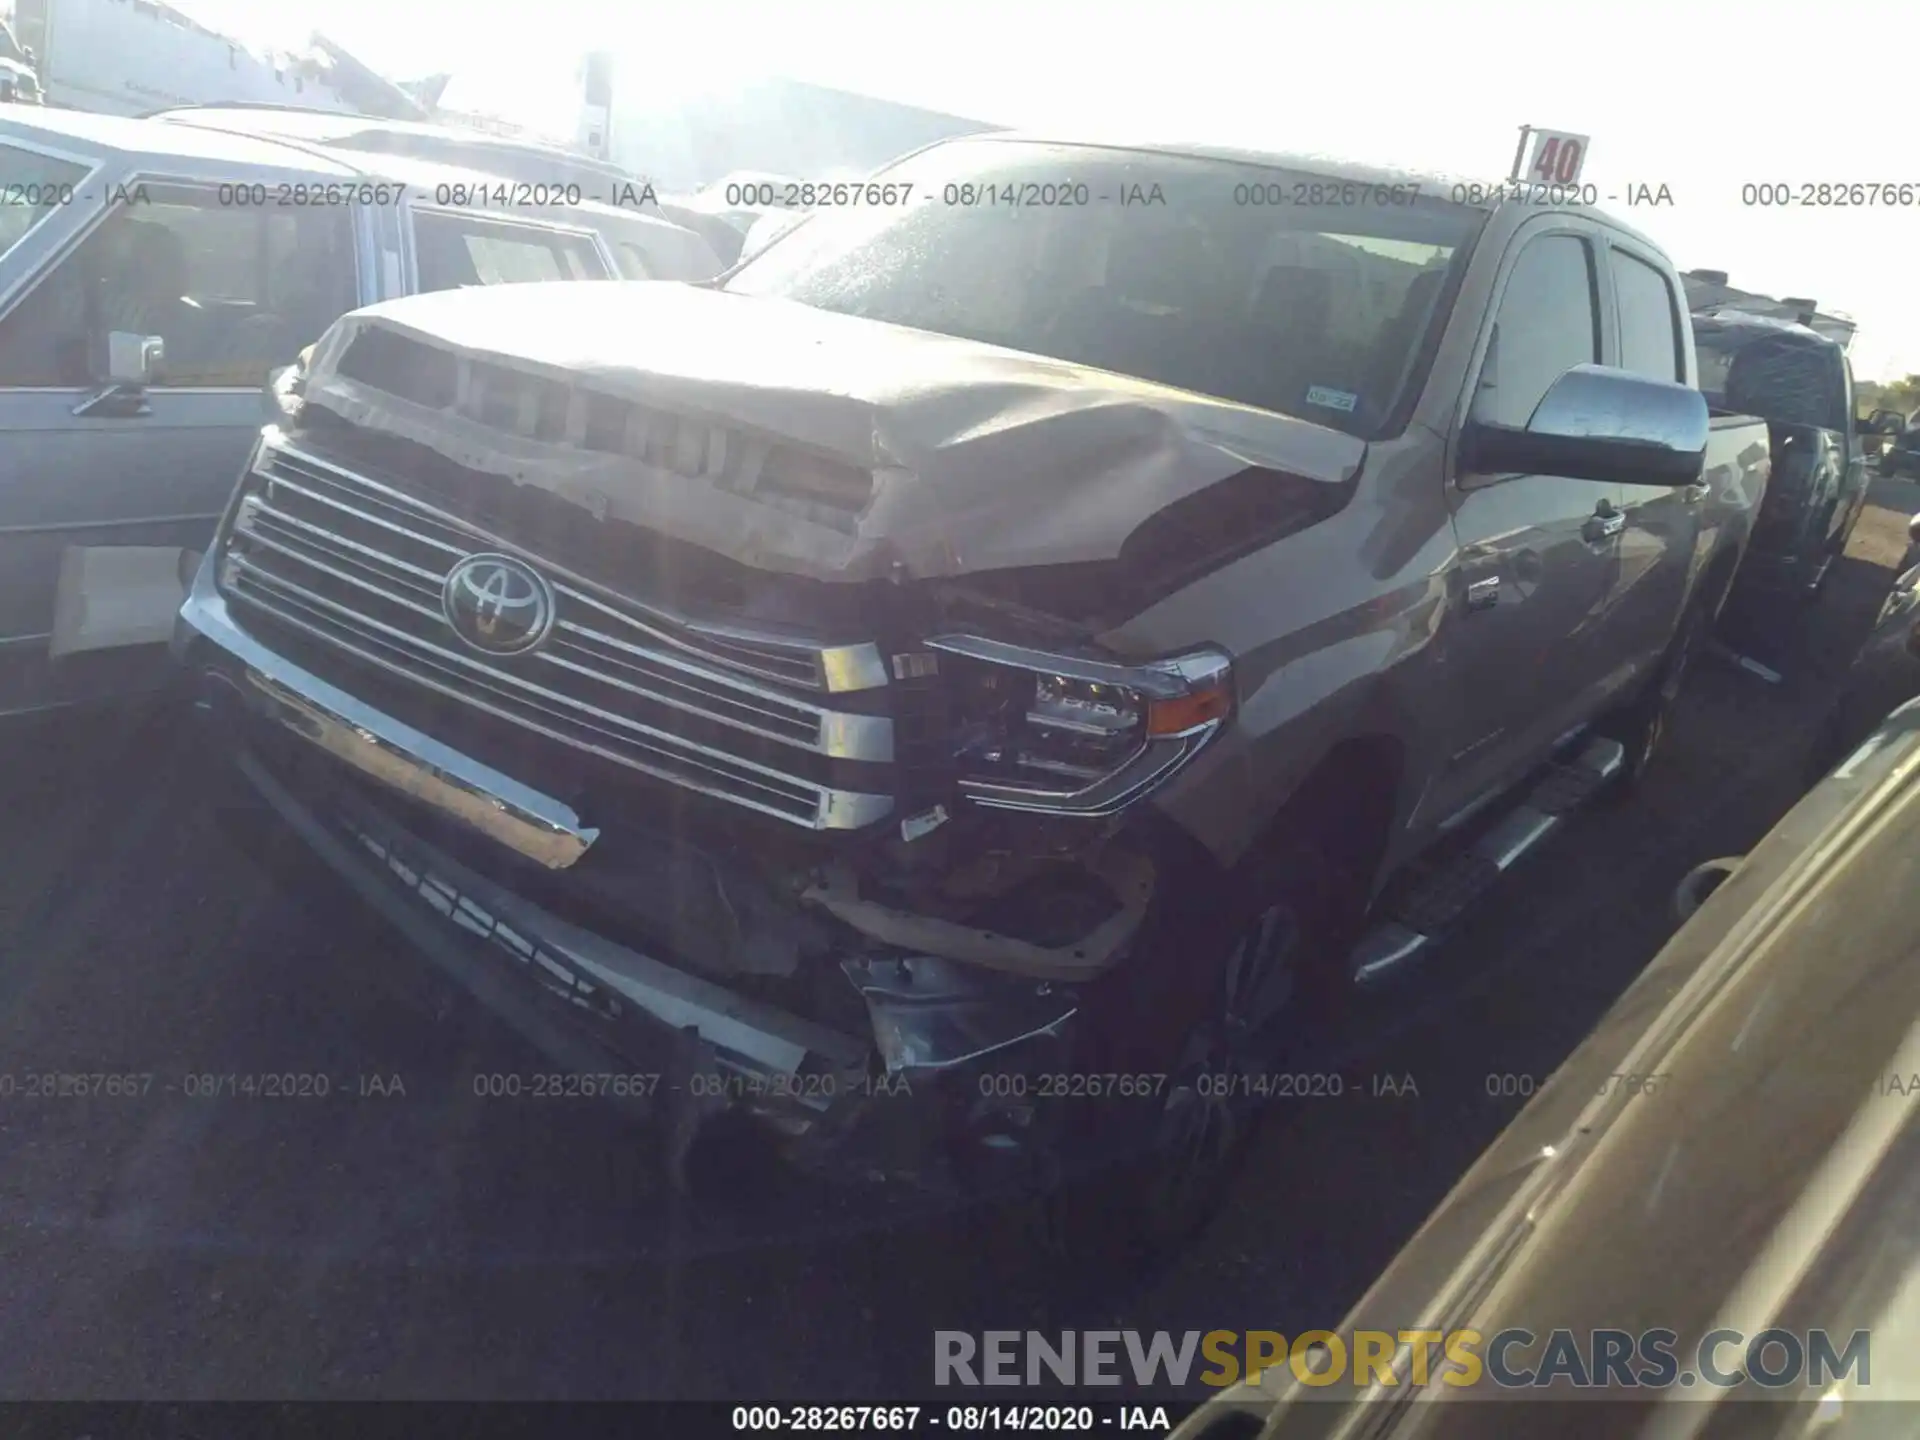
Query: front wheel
1273	969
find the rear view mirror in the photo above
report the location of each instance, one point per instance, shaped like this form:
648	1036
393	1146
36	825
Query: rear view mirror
132	359
1598	423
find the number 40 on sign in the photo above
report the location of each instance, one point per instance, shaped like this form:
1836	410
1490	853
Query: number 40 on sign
1549	157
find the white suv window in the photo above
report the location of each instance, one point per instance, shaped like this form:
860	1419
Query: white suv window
456	251
233	292
32	188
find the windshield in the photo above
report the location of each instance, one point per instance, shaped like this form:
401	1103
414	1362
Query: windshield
1288	291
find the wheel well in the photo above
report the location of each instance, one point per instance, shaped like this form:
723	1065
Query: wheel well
1345	807
1330	836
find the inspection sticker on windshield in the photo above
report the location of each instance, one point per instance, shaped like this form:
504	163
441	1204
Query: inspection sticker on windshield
1332	399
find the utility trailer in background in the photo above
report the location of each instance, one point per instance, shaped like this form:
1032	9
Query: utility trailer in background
128	57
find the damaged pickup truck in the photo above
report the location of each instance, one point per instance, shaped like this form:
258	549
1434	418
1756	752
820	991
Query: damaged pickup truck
1017	647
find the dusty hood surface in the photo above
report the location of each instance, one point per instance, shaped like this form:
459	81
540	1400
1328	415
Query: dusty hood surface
793	439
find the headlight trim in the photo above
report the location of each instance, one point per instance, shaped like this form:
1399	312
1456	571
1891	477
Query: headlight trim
1191	696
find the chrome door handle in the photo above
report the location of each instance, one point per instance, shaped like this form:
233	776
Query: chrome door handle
1484	594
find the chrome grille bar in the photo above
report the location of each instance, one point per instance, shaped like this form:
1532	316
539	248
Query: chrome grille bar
763	792
360	566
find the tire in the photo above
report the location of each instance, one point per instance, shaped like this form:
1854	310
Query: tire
1642	724
1273	968
1836	549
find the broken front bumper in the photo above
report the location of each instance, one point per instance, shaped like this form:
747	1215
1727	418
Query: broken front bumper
934	1093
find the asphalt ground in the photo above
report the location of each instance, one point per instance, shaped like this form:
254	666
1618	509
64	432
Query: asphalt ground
403	1237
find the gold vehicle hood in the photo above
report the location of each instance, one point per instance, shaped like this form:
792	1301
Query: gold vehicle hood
793	439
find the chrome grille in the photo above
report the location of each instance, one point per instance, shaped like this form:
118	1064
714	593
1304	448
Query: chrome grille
357	563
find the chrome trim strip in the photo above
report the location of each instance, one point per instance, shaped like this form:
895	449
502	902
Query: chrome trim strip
1152	764
525	820
1154	686
1385	947
554	841
256	504
838	668
58	527
274	477
246	563
581	644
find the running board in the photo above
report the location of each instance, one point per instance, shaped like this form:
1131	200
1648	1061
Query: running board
1413	917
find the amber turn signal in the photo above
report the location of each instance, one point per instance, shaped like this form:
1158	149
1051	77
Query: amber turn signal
1189	712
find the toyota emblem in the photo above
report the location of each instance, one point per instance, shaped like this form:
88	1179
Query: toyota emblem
497	604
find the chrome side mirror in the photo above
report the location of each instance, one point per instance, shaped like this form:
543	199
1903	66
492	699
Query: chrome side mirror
130	364
1599	423
132	359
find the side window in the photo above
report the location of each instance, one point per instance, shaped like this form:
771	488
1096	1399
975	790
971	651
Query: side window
1547	324
633	261
232	291
454	251
1649	325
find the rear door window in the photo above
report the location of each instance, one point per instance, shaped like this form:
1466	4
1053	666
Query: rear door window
453	252
1649	320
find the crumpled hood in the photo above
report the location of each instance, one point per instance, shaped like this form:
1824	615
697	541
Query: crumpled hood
796	440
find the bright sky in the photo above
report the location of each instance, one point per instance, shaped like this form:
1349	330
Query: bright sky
1671	93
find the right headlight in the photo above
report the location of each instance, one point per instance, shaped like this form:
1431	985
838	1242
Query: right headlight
1039	731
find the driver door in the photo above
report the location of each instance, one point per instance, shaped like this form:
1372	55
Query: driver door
1537	554
107	499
